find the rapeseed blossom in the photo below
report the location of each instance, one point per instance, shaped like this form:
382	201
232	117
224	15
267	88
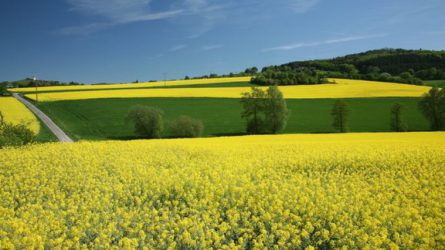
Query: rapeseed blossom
137	85
342	88
355	191
15	112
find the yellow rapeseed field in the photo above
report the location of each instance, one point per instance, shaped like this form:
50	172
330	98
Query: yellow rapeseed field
351	191
137	85
343	88
15	112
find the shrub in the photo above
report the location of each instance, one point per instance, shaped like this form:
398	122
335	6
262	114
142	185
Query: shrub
148	121
14	135
186	127
4	89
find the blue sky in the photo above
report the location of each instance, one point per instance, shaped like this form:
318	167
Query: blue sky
125	40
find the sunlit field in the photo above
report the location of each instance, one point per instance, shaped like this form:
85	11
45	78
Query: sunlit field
342	88
358	190
226	125
15	112
137	85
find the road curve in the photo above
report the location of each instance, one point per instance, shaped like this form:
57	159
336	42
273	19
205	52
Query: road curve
45	119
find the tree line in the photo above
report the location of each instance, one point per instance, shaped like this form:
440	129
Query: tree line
247	72
374	73
285	75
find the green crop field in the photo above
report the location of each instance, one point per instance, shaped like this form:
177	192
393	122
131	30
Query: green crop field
436	83
104	118
45	135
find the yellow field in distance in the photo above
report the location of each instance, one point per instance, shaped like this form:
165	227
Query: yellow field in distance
356	191
15	112
342	88
136	85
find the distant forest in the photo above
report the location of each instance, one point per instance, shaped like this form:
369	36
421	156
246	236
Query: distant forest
389	65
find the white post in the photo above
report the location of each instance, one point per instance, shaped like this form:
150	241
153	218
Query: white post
37	85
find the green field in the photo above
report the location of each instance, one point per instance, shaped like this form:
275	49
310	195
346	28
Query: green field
436	83
104	118
45	135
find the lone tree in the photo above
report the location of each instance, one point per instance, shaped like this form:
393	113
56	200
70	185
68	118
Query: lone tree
186	126
432	107
265	111
397	122
276	110
147	121
340	114
253	110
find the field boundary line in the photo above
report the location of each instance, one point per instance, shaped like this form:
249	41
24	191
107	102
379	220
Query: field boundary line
56	130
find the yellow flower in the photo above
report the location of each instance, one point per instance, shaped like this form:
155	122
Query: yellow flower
15	112
344	191
343	88
136	85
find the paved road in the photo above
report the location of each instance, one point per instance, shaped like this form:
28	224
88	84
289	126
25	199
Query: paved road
45	119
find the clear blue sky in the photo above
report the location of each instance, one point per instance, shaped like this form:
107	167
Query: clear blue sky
125	40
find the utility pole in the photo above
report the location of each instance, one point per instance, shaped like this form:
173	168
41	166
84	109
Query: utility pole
37	85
